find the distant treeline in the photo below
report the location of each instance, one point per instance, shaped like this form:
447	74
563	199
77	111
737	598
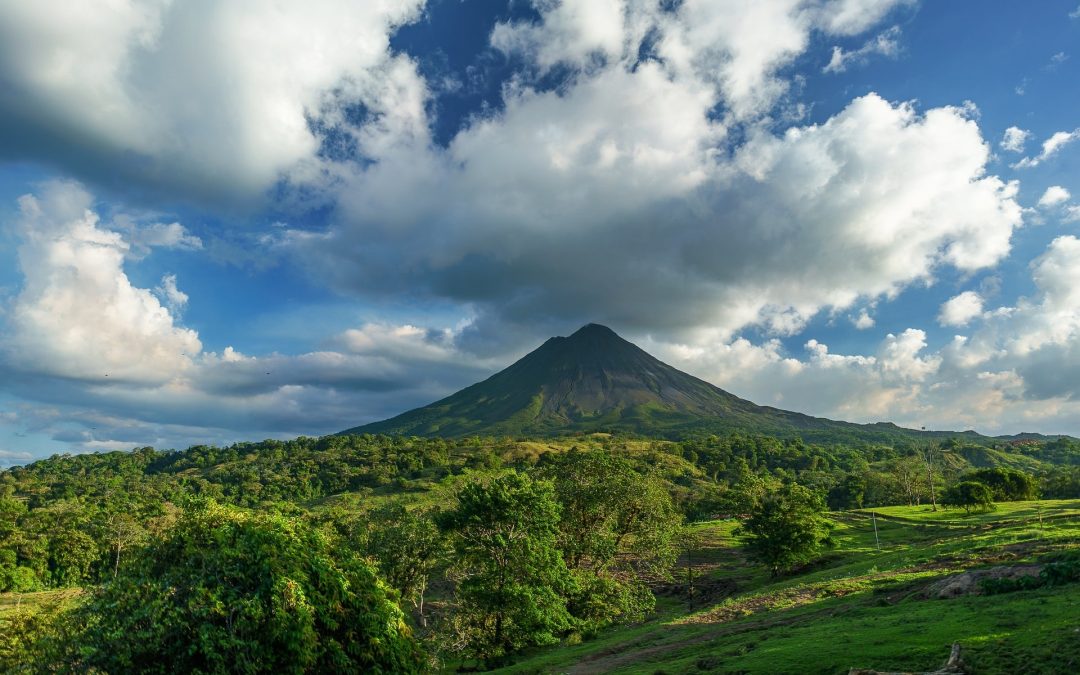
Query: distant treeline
68	519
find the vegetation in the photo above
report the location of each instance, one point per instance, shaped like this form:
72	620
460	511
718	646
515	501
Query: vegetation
478	552
786	528
969	494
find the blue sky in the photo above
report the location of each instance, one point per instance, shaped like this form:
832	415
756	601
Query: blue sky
231	221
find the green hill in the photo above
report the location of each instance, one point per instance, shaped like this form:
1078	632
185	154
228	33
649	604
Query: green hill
595	380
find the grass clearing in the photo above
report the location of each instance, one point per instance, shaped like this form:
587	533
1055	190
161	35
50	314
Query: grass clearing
859	606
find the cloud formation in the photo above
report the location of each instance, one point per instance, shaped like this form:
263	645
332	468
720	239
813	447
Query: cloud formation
214	100
101	361
961	309
884	44
1050	147
1015	139
1054	196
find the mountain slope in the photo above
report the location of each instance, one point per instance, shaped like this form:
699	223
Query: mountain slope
596	381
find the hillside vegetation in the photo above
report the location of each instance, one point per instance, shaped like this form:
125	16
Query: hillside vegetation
611	552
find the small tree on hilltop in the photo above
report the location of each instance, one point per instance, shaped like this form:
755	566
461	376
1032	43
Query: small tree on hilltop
786	528
971	495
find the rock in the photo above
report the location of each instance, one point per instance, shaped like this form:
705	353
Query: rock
967	583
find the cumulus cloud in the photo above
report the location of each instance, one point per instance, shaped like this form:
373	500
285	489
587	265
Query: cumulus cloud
212	99
1014	139
554	195
1050	147
864	321
884	44
961	309
174	298
730	51
78	315
104	362
1054	195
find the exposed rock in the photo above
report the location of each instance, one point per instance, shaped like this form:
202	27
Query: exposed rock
967	583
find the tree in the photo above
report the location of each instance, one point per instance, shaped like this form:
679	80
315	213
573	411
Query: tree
612	514
406	545
969	494
227	590
618	526
786	528
512	578
848	493
1007	485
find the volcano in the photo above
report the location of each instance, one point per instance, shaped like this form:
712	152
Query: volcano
595	381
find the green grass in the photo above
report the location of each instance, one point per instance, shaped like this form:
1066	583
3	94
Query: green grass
859	606
14	602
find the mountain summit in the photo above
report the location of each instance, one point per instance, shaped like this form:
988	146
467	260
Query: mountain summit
595	380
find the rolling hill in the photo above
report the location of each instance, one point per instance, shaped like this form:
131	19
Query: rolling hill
596	381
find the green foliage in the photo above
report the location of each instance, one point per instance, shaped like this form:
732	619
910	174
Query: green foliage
512	578
407	546
969	495
786	528
227	590
1007	485
848	493
612	515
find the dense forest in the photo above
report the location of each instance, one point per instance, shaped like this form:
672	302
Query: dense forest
361	553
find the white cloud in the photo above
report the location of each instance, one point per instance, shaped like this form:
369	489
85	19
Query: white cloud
1072	214
730	51
552	196
961	309
78	315
864	321
1050	147
163	235
101	362
1075	14
884	44
213	99
1054	195
174	298
1014	139
13	458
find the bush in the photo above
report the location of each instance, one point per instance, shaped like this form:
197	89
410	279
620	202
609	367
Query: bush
231	591
970	495
1007	485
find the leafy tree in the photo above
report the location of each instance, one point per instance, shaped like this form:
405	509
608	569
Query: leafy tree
618	527
407	546
610	513
786	528
969	494
226	590
848	493
1007	485
512	578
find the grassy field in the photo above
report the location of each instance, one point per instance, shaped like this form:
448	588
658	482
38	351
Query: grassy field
860	606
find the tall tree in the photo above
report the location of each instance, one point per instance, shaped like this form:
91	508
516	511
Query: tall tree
512	580
407	546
